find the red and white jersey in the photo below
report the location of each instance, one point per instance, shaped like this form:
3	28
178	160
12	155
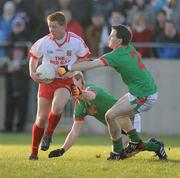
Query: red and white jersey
71	48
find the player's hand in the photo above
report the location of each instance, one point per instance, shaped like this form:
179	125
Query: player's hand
62	70
56	153
35	77
75	90
38	80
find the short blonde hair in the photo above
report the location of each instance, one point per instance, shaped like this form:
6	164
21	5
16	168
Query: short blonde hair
57	16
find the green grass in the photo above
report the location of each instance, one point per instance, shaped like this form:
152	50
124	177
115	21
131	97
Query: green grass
86	159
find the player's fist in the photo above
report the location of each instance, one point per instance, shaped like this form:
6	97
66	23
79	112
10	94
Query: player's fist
62	70
56	153
75	90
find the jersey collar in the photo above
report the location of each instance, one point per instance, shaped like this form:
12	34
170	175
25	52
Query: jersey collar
62	43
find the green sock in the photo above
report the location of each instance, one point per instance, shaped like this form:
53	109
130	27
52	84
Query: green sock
150	146
118	146
133	136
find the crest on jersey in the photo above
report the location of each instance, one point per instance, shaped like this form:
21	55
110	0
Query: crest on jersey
69	53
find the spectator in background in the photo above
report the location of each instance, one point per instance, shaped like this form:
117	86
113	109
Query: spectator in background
142	33
2	50
82	10
103	6
72	24
17	79
41	9
22	6
41	29
161	18
117	17
169	35
157	5
93	33
1	5
42	6
28	14
141	7
63	4
174	12
123	4
6	18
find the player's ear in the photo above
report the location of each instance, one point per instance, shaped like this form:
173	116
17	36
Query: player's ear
119	41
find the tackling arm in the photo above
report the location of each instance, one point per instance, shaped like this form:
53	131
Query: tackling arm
81	66
86	65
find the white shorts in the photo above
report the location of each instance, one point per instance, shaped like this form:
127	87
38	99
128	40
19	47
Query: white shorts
144	103
137	122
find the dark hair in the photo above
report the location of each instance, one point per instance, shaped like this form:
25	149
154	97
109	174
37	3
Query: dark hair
162	11
119	10
170	22
124	33
57	16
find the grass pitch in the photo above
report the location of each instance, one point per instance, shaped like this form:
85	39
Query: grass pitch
87	159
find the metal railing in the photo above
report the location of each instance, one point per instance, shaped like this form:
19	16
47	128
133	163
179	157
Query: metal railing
25	44
156	45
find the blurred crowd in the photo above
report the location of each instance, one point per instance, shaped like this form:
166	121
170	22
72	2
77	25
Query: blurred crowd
152	21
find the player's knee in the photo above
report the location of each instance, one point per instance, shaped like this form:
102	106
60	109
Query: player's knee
57	109
40	122
108	116
41	119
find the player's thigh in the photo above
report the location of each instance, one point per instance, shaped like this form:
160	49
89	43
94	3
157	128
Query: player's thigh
43	108
121	108
60	99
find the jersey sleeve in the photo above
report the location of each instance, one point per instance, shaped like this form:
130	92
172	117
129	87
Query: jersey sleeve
107	59
79	119
83	50
36	50
79	111
91	90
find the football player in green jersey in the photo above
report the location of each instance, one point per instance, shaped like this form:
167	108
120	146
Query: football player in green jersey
142	90
88	101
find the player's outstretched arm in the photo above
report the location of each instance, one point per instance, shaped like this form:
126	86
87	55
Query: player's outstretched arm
86	65
73	135
81	66
70	140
